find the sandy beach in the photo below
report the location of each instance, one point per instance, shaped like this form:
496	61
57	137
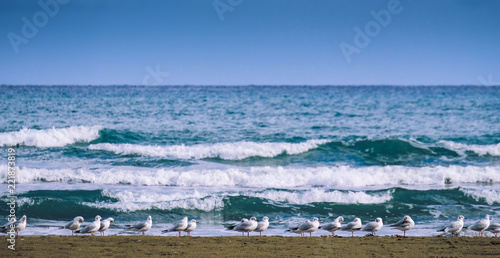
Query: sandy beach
139	246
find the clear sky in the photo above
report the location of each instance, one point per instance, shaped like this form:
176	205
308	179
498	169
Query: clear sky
242	42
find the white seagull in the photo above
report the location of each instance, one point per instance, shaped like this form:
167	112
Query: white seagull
191	226
455	227
404	225
92	227
262	225
481	225
494	228
74	224
333	226
179	226
141	226
307	226
352	226
17	225
105	225
373	226
245	226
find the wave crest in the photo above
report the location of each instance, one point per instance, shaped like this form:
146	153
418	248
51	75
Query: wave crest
54	137
226	151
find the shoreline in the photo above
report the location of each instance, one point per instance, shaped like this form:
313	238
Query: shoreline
265	246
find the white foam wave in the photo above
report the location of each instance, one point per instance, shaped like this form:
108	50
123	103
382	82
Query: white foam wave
145	200
322	195
490	196
54	137
493	150
227	151
340	177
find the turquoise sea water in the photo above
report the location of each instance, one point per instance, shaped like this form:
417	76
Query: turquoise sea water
218	154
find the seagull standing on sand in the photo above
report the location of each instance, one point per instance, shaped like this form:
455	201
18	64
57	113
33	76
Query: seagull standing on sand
481	225
141	226
455	227
179	226
333	226
307	226
92	227
494	228
373	226
105	225
245	226
191	226
18	225
74	224
352	226
262	225
404	225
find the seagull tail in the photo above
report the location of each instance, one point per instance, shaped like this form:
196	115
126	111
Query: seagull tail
441	230
230	227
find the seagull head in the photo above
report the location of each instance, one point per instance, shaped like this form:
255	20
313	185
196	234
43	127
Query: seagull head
111	219
357	220
339	219
149	218
461	217
378	220
194	221
265	219
316	219
79	219
486	217
98	217
253	218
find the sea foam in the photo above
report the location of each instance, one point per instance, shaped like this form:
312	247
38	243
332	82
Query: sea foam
226	151
339	177
54	137
482	150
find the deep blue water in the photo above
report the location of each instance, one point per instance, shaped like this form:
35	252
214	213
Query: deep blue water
218	154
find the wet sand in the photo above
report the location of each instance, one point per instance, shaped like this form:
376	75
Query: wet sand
141	246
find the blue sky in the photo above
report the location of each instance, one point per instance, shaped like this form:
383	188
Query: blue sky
268	42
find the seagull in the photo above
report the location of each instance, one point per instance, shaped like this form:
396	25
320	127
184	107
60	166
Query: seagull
333	226
74	224
373	226
17	225
352	226
92	227
180	225
455	227
191	226
262	225
307	226
494	228
105	225
141	226
405	224
481	225
245	226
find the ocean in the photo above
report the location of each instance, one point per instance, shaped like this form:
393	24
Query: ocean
218	154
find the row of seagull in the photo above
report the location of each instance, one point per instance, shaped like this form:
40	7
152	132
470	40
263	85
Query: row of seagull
404	225
143	226
252	224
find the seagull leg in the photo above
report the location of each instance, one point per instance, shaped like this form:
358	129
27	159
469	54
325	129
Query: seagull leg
310	234
179	234
352	232
404	233
143	233
242	233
